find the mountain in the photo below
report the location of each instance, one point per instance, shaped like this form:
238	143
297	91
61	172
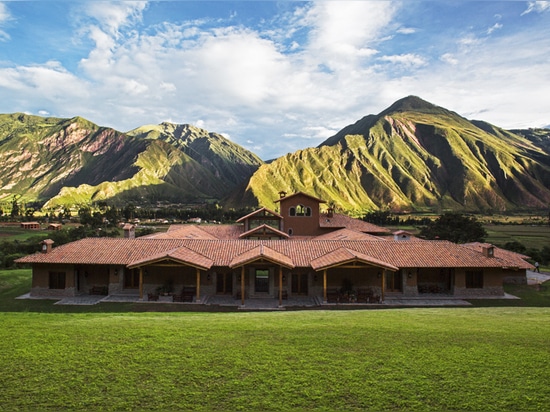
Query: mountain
414	156
73	161
229	162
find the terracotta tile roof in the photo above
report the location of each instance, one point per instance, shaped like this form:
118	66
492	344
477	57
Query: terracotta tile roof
263	230
301	194
342	221
181	255
224	231
183	232
256	212
346	234
343	256
515	259
261	252
299	253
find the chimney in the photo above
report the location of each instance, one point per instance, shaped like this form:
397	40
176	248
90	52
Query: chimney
129	231
330	211
488	251
46	246
282	194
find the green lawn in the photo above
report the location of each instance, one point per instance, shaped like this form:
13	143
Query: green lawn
474	359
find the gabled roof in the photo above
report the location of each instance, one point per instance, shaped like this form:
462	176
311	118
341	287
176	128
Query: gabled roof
180	255
264	229
256	212
300	194
262	252
343	256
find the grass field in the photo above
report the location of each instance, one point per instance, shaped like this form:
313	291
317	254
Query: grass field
16	233
475	359
530	236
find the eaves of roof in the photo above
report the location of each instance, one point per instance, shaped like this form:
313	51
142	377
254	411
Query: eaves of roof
259	253
263	228
263	209
180	255
344	256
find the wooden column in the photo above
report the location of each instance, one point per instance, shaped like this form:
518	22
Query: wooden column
242	286
280	286
198	299
140	283
325	299
383	283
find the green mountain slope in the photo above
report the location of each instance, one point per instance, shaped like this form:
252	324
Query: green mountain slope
414	156
228	161
73	161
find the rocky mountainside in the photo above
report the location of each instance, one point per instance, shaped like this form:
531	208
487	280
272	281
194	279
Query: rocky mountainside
415	156
73	161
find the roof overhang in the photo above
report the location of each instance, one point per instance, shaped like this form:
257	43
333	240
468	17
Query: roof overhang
182	255
264	230
262	253
258	212
344	256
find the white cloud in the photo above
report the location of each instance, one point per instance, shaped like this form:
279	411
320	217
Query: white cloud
406	30
537	7
111	16
4	17
496	26
346	30
449	58
408	60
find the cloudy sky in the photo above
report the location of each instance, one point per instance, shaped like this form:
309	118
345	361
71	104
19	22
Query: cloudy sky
274	77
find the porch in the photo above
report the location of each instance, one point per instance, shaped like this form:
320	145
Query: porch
230	303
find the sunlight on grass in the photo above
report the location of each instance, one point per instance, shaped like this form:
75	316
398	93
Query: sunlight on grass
428	359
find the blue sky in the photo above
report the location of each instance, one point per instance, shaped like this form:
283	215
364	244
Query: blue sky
274	77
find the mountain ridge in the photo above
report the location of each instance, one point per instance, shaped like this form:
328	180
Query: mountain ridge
412	156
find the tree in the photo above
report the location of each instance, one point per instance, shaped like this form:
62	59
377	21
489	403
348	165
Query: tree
15	206
456	228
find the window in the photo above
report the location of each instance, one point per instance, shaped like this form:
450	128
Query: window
57	280
474	279
300	210
290	232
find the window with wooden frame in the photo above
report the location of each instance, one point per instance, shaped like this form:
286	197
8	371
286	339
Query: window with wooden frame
56	280
474	279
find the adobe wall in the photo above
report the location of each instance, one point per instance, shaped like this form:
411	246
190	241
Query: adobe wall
41	279
492	283
300	225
